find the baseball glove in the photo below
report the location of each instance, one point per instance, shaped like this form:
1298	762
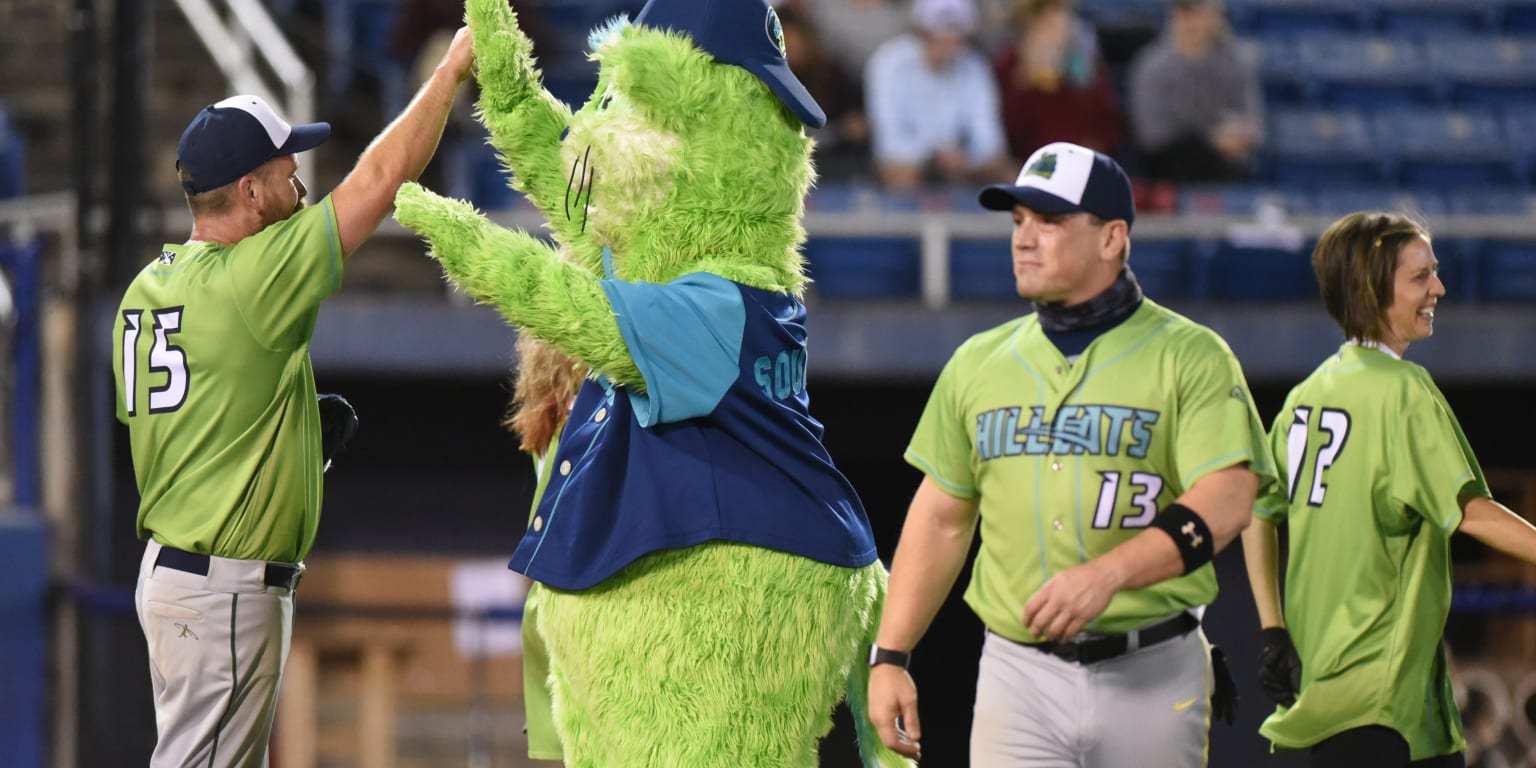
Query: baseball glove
1279	667
338	422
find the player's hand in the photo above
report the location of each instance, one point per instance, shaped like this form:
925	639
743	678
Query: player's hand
460	57
893	695
1279	667
1067	602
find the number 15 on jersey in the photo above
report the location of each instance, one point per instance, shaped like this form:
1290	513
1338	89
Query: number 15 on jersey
164	358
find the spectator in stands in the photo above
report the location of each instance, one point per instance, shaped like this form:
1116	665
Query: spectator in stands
842	146
1053	83
1196	103
932	102
853	29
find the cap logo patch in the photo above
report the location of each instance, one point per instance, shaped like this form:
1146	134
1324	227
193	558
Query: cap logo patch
1045	167
775	32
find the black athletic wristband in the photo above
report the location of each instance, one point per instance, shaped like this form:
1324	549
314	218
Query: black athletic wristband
878	655
1196	544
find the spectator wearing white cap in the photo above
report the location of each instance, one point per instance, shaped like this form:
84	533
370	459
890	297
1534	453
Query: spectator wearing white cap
933	104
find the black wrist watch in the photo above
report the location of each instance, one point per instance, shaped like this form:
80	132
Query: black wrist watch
878	655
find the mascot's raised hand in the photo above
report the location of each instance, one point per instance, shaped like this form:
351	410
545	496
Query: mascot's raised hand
712	581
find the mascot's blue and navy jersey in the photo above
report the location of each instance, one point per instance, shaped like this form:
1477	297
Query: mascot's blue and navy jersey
720	446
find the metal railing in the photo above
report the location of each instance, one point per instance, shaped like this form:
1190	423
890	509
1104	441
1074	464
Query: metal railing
249	36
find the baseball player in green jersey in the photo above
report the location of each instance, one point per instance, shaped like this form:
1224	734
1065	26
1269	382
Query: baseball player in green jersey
211	356
1106	448
1378	475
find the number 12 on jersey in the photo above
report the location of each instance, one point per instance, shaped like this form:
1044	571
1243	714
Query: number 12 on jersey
1333	421
164	357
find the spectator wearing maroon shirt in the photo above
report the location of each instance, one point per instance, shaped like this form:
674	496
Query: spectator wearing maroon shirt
1053	84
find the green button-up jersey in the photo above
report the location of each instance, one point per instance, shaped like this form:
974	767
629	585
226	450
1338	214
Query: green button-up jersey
211	357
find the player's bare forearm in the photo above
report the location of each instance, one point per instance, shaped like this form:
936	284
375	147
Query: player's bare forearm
524	120
1224	501
1261	552
401	151
524	278
934	542
1499	527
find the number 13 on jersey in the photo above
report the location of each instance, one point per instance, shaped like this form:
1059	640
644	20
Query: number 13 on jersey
164	358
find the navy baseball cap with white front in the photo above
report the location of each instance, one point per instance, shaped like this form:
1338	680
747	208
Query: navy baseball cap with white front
1066	178
230	139
744	33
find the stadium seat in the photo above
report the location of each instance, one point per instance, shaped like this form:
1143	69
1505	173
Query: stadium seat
1285	17
474	173
1280	71
864	267
1366	72
1507	271
1518	16
1164	269
1492	201
1237	200
1318	147
13	153
1446	148
1519	123
1485	71
1458	268
1261	274
357	35
981	269
1337	201
1433	17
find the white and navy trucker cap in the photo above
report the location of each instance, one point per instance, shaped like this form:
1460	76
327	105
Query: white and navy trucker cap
1066	178
230	139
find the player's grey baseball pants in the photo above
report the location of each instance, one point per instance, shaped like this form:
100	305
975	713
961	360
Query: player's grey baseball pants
1149	708
217	644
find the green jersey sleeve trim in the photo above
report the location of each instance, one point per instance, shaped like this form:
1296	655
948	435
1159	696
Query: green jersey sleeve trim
951	488
1222	462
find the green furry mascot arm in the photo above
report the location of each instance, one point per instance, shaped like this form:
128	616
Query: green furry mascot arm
524	278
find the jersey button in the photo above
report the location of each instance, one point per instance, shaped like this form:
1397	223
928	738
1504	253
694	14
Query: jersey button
538	523
565	467
1055	466
602	413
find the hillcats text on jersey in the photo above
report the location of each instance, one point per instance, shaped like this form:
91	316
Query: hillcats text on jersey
1078	429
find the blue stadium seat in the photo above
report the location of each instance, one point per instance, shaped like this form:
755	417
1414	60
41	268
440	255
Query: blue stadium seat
1518	16
1366	72
1434	17
1485	71
1280	71
1337	201
1492	201
357	35
1507	271
981	269
1124	13
474	173
864	267
1458	259
1165	269
1315	147
13	154
1261	274
1446	148
1238	200
1519	123
1284	17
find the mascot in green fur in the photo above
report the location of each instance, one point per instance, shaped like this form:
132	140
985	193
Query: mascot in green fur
712	583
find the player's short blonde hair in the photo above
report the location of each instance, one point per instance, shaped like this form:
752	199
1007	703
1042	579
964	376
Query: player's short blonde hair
208	202
1356	261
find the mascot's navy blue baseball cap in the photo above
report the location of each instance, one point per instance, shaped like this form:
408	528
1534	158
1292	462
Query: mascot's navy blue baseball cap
745	33
230	139
1066	178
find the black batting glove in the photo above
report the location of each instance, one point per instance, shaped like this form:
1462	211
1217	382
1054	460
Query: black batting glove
338	422
1279	667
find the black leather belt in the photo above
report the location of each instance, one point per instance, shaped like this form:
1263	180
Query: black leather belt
1109	646
277	574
